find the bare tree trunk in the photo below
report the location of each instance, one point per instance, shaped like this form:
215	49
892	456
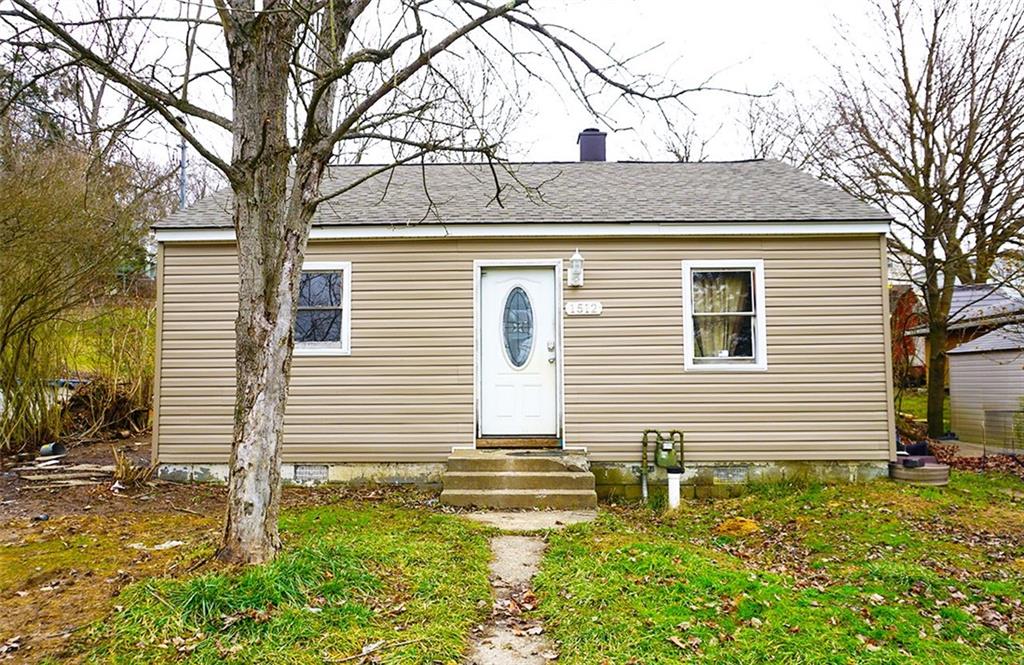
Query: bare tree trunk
270	250
936	376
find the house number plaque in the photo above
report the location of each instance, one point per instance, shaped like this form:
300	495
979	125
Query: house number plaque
583	308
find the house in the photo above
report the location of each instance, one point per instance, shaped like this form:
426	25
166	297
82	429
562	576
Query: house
908	351
975	310
742	303
986	388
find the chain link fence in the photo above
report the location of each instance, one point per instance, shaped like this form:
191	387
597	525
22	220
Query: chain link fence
1004	431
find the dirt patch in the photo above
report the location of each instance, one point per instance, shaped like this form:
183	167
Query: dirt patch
22	499
513	636
59	575
66	552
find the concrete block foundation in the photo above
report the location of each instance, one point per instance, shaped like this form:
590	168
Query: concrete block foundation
421	474
717	480
613	480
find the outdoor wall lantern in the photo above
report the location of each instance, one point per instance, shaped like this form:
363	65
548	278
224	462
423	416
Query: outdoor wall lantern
575	277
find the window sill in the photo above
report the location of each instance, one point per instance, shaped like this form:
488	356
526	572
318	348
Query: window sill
725	367
320	351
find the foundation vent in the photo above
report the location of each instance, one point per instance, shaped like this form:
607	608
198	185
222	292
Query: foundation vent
310	474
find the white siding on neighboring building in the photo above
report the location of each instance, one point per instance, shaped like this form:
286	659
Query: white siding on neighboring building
985	390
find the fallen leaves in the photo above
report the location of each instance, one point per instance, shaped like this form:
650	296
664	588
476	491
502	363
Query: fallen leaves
183	645
690	644
988	464
869	644
737	527
228	652
252	614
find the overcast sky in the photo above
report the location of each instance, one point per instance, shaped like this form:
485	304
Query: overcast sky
747	45
752	45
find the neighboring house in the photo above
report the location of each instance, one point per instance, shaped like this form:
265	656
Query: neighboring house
976	309
905	314
742	303
986	387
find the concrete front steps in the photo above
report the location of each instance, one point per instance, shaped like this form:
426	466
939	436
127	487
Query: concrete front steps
503	479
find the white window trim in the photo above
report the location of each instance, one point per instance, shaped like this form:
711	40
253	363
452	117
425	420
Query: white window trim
760	363
345	348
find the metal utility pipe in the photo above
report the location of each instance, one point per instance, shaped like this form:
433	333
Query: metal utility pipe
643	463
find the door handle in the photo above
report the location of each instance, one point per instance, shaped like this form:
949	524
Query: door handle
551	358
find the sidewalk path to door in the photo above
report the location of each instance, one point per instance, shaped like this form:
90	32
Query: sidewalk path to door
512	636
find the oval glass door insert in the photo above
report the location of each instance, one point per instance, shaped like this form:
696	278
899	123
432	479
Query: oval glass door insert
517	325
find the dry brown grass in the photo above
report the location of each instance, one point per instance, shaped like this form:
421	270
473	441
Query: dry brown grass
128	473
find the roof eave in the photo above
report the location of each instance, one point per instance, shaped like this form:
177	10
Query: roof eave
548	229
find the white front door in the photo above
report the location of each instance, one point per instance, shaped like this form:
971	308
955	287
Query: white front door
518	351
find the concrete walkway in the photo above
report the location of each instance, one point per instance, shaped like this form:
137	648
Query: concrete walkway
510	637
968	449
531	520
513	636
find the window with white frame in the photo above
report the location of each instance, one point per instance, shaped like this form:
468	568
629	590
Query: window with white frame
322	317
723	315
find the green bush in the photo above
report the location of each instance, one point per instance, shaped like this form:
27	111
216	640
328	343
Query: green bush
112	349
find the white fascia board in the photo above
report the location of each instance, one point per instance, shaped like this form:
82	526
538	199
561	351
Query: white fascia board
545	230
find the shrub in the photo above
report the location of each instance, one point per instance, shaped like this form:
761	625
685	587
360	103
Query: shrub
112	351
67	223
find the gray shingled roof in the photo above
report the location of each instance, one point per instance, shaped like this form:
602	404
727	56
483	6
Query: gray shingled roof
981	302
1008	338
976	305
583	192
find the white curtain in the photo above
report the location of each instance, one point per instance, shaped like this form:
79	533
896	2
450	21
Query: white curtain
725	295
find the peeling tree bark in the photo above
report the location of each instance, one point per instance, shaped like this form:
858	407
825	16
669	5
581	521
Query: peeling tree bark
271	242
272	218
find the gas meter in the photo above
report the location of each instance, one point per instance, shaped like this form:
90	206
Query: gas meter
668	453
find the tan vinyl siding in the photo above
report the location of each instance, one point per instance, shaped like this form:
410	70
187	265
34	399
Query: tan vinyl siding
160	263
978	382
406	392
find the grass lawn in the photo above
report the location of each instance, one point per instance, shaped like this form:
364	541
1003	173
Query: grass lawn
915	402
407	582
873	573
349	578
